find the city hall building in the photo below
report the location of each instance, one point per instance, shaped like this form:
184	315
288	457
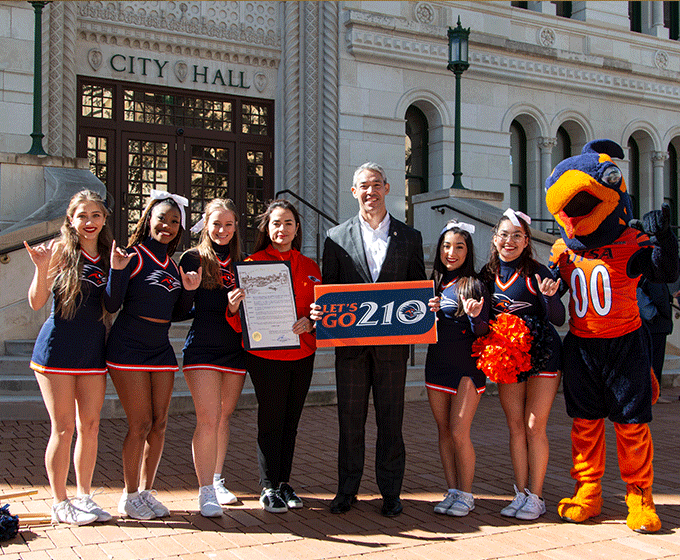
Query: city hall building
248	99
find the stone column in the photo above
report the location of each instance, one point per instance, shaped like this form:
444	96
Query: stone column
311	112
658	161
546	146
61	79
656	27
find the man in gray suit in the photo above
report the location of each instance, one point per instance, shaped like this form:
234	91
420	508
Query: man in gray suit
371	247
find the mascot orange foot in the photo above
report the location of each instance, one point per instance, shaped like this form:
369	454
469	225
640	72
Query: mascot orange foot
584	504
642	515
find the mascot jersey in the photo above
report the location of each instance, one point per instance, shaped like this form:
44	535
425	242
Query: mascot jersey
603	302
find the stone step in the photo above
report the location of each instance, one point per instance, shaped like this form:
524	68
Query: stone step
27	403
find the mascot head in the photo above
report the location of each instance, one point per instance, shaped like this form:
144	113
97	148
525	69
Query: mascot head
587	196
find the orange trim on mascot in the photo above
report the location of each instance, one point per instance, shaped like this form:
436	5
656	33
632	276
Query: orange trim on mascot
607	352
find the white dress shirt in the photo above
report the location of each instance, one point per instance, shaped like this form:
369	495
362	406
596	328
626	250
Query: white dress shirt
375	244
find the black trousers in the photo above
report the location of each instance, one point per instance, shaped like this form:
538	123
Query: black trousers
658	353
281	388
356	376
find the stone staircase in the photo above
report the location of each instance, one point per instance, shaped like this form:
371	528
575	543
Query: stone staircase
20	397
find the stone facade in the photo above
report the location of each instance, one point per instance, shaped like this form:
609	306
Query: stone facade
342	75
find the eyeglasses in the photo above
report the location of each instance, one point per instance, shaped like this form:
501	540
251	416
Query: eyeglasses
516	237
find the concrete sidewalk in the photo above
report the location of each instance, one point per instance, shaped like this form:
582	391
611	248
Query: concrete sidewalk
247	532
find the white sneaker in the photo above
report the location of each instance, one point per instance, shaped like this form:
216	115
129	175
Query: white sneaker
443	506
513	507
533	507
153	504
86	503
133	506
224	497
462	505
207	501
66	512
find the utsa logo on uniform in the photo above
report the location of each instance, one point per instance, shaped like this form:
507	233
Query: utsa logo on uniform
228	279
164	279
448	304
93	275
503	304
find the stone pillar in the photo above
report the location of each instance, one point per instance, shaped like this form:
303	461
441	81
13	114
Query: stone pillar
311	113
61	79
658	161
546	146
608	13
547	8
656	27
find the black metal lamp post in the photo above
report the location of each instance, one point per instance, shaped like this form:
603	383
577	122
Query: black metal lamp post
458	63
37	134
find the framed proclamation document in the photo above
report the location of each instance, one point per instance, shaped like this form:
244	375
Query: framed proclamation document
268	309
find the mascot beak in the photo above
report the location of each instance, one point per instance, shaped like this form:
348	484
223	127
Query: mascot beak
580	203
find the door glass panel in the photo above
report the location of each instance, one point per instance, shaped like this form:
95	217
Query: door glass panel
147	169
254	119
97	102
177	110
255	193
96	153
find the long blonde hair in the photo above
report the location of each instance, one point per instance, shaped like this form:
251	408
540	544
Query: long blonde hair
212	277
67	285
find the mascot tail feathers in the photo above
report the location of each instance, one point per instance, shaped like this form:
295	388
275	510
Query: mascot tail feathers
656	390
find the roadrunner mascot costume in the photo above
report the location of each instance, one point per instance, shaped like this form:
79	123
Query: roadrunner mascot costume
607	353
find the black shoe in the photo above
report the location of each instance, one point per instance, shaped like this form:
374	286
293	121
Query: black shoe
391	506
271	501
289	496
342	503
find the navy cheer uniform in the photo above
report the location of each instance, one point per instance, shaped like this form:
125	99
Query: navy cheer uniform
450	359
149	286
212	343
520	295
75	346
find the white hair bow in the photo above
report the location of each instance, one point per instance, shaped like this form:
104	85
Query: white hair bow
512	216
198	226
460	225
179	200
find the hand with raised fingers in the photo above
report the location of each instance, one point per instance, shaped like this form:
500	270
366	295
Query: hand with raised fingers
40	254
472	307
119	257
191	280
548	286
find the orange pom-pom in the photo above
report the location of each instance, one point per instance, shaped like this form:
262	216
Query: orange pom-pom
503	353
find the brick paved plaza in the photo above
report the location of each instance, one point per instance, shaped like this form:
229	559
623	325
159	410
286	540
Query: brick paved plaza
247	532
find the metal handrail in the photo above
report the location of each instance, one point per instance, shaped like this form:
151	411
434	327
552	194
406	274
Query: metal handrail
308	205
4	251
319	213
440	208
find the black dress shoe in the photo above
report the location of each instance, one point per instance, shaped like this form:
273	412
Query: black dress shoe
391	506
342	503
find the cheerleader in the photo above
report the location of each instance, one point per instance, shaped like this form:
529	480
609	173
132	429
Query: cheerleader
521	286
214	359
454	390
141	361
69	353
